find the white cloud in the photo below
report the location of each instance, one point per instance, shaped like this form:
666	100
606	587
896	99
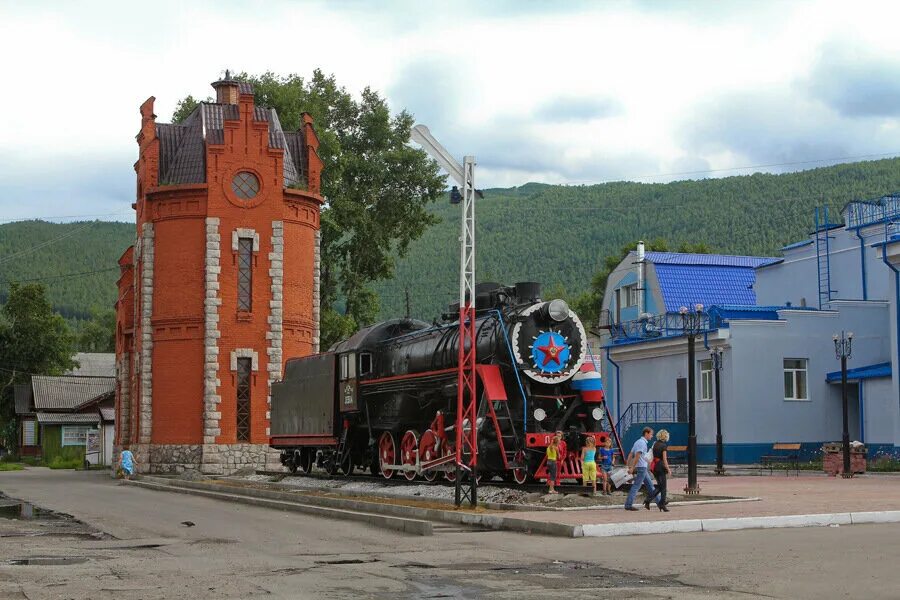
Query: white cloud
637	88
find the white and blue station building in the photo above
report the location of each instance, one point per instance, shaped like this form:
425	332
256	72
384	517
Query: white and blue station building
774	319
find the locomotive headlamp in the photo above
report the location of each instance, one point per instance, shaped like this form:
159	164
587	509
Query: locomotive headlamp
558	310
597	413
540	415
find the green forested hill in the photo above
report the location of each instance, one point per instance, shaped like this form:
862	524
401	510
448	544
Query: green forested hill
76	261
560	234
536	232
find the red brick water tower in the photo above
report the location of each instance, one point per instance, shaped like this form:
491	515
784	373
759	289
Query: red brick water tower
221	286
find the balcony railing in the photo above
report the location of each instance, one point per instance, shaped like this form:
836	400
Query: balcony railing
670	324
646	412
861	213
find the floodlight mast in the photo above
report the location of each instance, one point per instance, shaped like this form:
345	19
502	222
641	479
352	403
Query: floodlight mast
466	385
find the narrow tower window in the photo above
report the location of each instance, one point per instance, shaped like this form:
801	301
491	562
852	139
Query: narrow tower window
245	274
244	366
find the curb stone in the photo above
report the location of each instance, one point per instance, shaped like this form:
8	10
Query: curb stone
738	523
412	526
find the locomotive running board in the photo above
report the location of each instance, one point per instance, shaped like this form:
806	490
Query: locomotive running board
438	462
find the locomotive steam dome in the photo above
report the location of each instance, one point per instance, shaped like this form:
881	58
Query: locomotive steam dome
549	342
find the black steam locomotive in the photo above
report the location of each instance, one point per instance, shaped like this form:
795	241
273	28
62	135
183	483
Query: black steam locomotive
385	399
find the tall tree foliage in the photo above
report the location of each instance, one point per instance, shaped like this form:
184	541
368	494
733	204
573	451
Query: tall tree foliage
33	339
377	188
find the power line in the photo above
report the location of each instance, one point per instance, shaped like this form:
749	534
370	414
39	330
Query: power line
49	242
64	276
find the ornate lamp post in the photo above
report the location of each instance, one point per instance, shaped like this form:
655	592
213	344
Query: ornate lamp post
843	346
692	324
717	356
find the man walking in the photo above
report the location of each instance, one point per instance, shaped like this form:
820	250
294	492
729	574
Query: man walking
639	464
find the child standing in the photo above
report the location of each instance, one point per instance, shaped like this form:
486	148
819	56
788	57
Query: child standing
126	461
607	458
588	463
552	457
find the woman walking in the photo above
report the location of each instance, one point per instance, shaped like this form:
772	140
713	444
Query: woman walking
660	469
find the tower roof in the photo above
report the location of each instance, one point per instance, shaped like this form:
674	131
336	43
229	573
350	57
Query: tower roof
182	147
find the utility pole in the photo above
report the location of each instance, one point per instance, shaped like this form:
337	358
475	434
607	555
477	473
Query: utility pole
718	355
843	347
466	401
692	323
406	293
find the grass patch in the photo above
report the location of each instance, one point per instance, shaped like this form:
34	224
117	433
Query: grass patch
10	466
31	461
64	463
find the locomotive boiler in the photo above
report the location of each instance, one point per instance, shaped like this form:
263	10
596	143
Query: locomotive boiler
385	399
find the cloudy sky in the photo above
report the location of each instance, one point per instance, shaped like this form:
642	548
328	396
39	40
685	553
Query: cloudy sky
560	92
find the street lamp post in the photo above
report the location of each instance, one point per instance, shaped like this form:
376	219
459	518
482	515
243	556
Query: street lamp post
692	323
843	346
717	355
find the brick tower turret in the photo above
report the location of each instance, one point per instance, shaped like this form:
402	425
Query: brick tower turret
221	285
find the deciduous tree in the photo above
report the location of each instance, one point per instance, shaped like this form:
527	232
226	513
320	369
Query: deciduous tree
33	339
376	185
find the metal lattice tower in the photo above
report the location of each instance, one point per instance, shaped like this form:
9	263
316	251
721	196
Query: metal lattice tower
466	399
466	429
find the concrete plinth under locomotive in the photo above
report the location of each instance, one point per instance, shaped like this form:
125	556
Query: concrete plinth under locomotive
385	399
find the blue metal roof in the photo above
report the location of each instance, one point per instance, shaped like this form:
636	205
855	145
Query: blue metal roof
690	284
718	260
879	370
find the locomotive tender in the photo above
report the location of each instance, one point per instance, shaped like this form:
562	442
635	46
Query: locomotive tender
385	399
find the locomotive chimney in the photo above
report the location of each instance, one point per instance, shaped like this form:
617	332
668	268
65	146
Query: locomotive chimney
640	276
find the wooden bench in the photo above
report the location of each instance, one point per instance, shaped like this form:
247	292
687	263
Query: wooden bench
782	453
677	455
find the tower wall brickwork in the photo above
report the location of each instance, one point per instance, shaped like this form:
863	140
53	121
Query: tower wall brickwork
224	270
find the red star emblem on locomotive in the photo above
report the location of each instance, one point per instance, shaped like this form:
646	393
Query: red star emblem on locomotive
551	352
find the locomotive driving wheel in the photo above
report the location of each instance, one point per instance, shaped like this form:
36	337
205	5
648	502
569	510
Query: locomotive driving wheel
520	475
409	452
304	460
428	451
387	453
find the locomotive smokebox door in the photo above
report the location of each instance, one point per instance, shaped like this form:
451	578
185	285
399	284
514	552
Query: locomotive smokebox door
347	382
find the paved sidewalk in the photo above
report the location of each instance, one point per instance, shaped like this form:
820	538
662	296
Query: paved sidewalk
779	495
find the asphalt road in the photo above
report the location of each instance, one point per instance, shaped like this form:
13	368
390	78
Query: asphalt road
134	544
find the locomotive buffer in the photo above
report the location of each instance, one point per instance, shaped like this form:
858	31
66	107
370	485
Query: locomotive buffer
466	418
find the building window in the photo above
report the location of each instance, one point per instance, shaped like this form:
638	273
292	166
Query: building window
245	185
28	434
795	379
74	435
244	368
245	274
706	380
633	294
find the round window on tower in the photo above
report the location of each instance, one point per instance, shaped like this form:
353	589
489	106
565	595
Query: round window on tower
245	185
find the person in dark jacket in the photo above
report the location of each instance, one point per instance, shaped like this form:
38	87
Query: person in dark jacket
660	469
